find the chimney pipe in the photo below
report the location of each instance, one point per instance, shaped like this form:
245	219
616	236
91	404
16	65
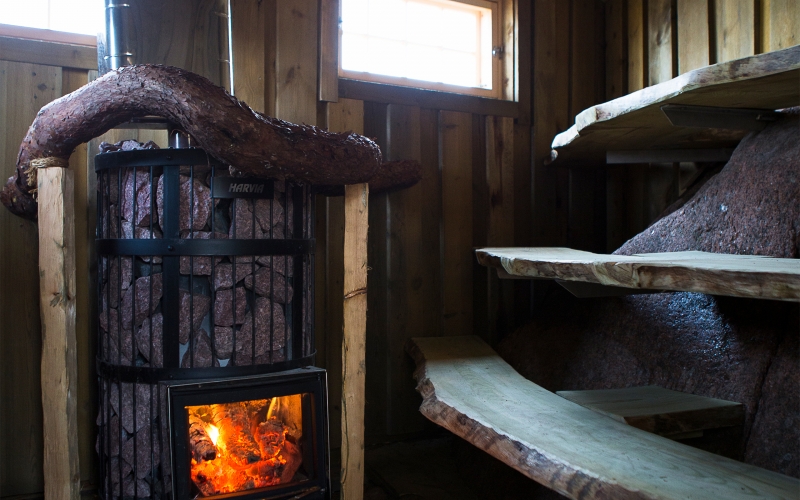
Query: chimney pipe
119	34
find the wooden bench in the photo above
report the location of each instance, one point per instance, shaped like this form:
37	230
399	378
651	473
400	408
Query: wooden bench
468	389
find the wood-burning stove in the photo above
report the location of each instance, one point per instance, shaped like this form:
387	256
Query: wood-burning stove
206	317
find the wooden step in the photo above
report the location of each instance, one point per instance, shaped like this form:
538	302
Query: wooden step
468	389
672	414
636	122
718	274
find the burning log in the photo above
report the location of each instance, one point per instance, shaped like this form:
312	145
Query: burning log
225	127
199	442
234	427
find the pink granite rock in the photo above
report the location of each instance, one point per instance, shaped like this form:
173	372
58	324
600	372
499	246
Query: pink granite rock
283	264
136	190
114	284
270	322
224	306
269	213
123	404
142	291
142	460
147	340
194	203
199	356
269	284
223	341
242	221
194	306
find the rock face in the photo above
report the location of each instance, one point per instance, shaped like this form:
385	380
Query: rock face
743	350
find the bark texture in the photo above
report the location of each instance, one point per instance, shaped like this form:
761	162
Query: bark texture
743	350
253	144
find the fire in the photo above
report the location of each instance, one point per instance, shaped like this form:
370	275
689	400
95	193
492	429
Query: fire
245	445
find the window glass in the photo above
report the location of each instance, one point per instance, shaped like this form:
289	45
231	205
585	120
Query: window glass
71	16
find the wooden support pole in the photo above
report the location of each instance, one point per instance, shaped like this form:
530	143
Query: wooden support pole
59	361
356	199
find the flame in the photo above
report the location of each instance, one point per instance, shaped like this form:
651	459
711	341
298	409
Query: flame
244	445
213	433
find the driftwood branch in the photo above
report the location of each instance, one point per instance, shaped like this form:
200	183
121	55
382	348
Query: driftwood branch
253	144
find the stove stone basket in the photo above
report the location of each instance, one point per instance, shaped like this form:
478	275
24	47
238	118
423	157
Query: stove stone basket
205	293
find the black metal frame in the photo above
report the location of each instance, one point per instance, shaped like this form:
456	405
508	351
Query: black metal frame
310	381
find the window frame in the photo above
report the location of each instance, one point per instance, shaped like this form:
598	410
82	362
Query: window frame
498	61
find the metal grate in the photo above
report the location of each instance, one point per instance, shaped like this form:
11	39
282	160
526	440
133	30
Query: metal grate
201	275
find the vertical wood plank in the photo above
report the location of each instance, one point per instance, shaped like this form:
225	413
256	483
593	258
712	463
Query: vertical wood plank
346	115
85	207
407	250
510	36
500	231
693	35
59	357
24	88
480	228
296	64
735	29
431	207
637	40
588	62
551	90
375	125
248	35
781	24
456	167
616	49
659	37
356	199
329	50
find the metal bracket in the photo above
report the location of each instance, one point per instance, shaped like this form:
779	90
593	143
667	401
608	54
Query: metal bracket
682	115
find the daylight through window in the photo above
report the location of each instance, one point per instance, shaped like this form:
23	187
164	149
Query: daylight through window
407	42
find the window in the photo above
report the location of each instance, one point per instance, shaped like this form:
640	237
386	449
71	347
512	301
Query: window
83	17
435	44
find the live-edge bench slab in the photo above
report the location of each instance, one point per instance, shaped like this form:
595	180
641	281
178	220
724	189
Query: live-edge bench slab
468	389
636	122
712	273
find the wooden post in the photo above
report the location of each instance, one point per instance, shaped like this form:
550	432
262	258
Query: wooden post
59	361
356	199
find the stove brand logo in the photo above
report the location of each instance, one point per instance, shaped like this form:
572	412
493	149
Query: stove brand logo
232	187
246	188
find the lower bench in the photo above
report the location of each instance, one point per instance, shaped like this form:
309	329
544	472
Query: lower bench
468	389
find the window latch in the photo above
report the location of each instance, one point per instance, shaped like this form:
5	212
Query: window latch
498	51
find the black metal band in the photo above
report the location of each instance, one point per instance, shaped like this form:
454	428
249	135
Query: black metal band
152	158
148	375
198	247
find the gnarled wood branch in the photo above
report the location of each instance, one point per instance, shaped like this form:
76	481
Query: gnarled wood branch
253	144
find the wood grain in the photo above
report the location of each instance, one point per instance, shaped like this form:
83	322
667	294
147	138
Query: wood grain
468	389
781	24
329	50
47	53
59	357
635	121
248	37
660	411
659	41
693	33
718	274
637	45
616	51
24	88
456	167
346	115
296	64
735	28
356	200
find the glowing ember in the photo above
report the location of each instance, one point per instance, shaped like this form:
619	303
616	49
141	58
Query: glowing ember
245	445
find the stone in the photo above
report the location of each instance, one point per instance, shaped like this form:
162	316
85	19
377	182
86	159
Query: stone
142	460
110	350
141	289
283	264
270	284
223	341
136	189
199	356
147	340
223	275
224	304
194	306
119	278
243	220
194	203
269	213
123	400
270	322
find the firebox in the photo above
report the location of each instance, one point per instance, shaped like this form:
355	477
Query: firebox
258	436
205	331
